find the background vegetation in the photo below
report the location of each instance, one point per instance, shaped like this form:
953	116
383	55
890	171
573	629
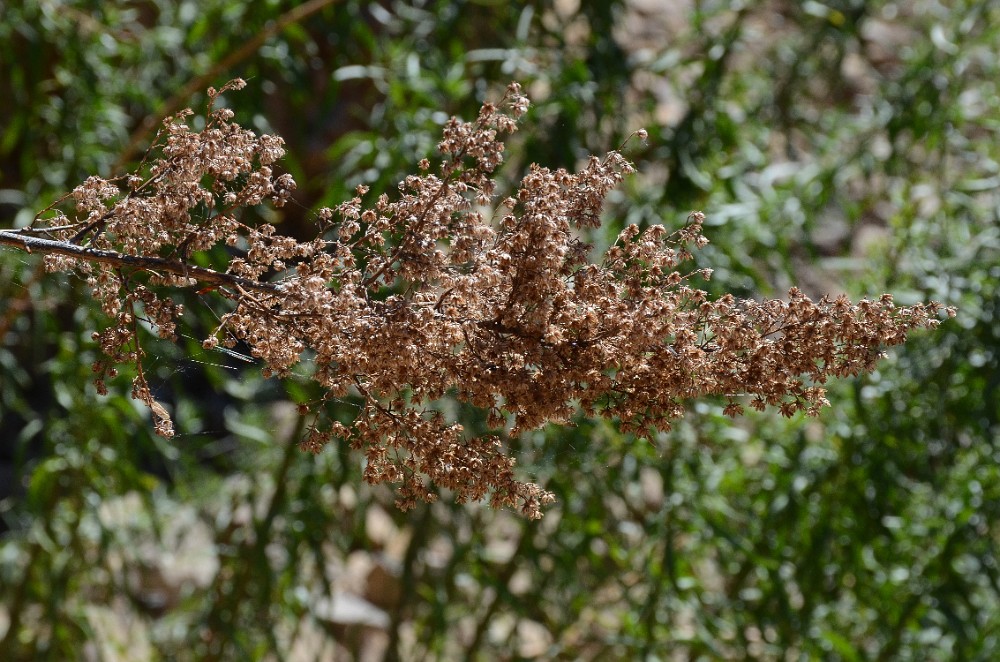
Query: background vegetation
844	145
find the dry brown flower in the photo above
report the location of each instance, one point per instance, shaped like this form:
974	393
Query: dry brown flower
446	290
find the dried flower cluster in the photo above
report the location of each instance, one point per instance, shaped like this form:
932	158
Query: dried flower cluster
447	289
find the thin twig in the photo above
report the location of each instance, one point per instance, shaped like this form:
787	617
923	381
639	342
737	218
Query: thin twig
175	268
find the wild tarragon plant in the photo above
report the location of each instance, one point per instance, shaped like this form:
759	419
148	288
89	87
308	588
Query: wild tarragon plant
446	290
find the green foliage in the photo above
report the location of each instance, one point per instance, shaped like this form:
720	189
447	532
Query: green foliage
838	146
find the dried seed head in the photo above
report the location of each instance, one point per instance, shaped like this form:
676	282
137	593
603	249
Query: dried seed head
423	295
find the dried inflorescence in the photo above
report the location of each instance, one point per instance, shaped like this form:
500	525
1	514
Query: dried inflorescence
447	290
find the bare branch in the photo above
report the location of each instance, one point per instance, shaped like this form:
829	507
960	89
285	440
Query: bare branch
157	265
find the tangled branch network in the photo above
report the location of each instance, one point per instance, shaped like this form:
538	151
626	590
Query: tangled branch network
446	290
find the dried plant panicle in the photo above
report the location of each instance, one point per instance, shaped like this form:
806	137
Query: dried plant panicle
445	289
